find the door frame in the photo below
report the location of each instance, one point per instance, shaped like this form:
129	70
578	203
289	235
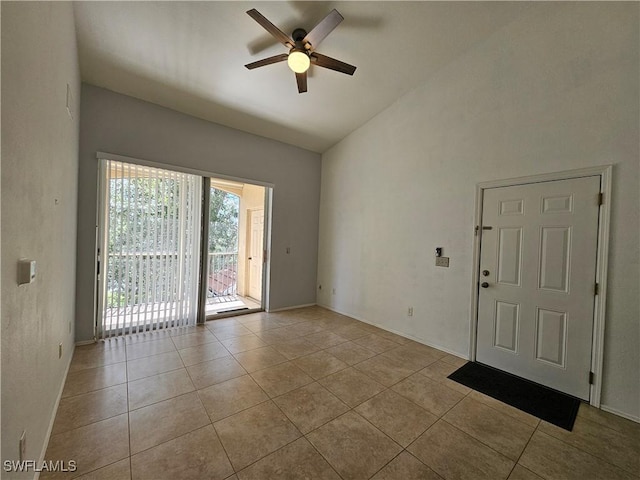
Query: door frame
597	347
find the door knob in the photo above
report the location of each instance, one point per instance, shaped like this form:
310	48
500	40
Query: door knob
484	285
250	258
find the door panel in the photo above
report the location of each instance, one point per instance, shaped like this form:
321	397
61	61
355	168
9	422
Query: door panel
551	338
509	256
555	251
506	325
256	258
511	207
535	318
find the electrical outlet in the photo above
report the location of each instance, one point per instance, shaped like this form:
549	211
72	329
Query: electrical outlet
410	312
23	446
60	351
333	291
288	250
69	326
319	287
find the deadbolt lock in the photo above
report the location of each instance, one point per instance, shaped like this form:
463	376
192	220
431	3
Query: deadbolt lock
485	273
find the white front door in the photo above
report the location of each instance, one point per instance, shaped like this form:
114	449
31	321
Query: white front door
537	276
256	236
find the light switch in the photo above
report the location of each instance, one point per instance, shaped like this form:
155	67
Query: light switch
442	261
26	271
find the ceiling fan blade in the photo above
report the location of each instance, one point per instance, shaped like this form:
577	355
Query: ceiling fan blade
332	63
322	29
267	61
301	78
271	28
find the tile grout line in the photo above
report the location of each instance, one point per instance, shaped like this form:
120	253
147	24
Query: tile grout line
92	391
506	414
125	362
326	328
304	435
480	441
215	431
378	354
581	450
269	399
350	409
386	464
524	450
155	403
537	428
173	438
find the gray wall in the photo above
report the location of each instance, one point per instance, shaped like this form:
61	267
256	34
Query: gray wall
555	90
39	200
123	125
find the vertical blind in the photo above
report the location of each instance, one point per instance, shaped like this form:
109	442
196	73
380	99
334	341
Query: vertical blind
150	248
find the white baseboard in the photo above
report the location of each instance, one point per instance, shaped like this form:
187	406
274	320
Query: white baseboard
633	418
47	437
402	334
283	309
85	342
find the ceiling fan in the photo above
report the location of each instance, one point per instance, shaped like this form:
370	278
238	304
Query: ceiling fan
302	47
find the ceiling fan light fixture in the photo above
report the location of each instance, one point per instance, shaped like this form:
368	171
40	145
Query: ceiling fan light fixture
302	47
298	60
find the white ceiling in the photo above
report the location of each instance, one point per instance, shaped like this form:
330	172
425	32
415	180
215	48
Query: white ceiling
190	56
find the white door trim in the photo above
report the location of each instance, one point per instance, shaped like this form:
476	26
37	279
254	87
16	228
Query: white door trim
601	262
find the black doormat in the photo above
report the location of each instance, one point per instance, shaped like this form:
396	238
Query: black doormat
540	401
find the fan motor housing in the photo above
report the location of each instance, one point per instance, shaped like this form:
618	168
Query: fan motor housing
299	34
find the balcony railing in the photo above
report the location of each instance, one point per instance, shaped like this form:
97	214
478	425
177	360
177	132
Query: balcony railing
154	286
222	277
149	297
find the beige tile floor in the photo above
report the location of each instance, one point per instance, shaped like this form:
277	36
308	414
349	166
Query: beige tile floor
308	394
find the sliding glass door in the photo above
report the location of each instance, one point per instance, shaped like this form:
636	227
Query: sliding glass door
235	249
150	248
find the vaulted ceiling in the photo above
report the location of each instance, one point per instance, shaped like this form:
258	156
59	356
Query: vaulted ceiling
190	57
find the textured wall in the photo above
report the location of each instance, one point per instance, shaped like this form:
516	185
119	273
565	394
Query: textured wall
39	207
555	90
